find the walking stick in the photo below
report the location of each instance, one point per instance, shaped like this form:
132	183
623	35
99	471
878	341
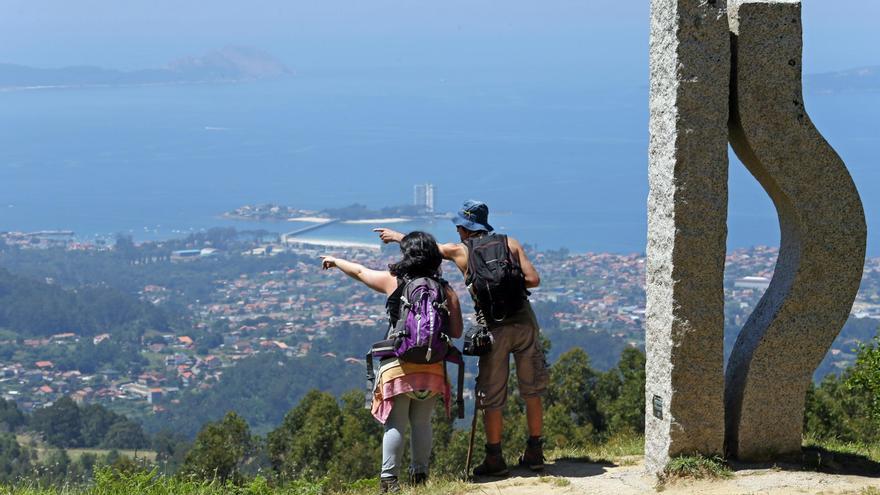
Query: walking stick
470	452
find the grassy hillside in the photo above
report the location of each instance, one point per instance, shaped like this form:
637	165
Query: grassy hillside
621	450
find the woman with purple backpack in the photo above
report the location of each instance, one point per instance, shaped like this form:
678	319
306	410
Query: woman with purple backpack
406	392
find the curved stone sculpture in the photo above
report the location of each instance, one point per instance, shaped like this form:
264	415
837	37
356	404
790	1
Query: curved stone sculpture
687	229
823	231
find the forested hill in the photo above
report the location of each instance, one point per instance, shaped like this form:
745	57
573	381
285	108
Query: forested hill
262	389
33	308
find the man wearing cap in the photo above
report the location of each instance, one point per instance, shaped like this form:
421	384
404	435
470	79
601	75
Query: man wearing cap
515	334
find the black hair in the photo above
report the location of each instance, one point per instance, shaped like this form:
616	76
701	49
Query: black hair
421	256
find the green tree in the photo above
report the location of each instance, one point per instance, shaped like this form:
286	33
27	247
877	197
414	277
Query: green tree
450	443
96	422
10	416
221	450
60	423
573	389
359	443
171	450
846	407
621	393
125	434
561	429
14	459
865	376
308	438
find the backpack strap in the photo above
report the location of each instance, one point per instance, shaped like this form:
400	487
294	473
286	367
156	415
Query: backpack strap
392	304
469	244
469	277
371	381
380	350
445	375
397	305
443	302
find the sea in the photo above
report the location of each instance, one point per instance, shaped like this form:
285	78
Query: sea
561	163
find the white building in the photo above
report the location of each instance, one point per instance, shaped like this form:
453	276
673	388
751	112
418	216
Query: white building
423	196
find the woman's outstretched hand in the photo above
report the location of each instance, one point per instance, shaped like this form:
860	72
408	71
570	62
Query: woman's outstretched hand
328	262
388	236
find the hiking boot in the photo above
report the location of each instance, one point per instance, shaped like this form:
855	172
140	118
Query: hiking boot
418	479
494	464
533	457
389	485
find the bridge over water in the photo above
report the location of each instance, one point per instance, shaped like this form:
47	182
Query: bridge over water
309	228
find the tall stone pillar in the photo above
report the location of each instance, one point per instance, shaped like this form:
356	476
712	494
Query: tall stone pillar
687	228
823	229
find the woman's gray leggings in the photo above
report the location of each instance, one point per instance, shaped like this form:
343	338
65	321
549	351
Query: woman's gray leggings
417	414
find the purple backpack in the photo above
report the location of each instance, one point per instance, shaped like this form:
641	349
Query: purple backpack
420	332
419	329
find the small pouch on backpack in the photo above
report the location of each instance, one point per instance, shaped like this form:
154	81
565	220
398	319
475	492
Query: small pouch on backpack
478	341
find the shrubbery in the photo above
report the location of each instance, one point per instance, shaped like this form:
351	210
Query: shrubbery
339	442
846	408
325	444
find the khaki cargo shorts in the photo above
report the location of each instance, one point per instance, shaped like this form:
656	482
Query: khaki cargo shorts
518	335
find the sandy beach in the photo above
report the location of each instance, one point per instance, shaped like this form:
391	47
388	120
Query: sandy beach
333	244
376	221
365	221
310	219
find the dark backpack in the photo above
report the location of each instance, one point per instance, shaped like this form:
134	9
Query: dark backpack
419	332
419	329
495	277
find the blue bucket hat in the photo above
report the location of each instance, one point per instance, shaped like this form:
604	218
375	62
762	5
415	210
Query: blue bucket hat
474	216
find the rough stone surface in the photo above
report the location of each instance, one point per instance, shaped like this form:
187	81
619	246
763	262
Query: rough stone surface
823	229
687	227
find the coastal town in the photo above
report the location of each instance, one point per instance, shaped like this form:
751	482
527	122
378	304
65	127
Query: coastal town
298	308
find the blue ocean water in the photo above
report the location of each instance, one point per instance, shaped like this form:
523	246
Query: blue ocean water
561	163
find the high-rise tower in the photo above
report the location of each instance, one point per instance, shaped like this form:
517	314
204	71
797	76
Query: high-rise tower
423	196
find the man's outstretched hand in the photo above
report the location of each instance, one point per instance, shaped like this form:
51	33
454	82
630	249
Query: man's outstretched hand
388	236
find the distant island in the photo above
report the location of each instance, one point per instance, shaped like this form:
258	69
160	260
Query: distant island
861	79
229	64
352	213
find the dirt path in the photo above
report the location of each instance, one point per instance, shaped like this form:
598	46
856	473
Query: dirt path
570	478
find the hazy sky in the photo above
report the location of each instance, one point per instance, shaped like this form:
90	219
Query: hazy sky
338	34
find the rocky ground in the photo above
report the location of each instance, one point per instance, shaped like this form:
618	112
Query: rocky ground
627	477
